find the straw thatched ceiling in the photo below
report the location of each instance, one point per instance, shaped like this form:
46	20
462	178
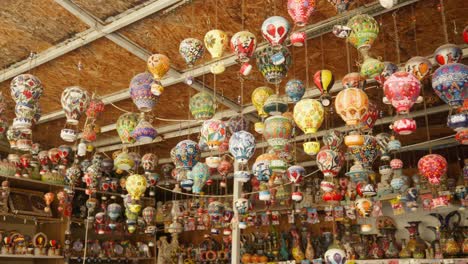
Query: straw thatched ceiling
35	26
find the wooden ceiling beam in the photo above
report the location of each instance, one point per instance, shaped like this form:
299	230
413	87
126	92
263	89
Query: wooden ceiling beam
312	30
88	36
138	51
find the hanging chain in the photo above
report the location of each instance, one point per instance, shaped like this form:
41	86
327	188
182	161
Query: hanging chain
413	14
444	21
397	38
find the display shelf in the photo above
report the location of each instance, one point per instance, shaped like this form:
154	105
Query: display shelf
47	185
29	257
32	218
104	259
412	261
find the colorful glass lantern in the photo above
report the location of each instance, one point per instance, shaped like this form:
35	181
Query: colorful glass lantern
144	132
433	167
191	49
352	104
237	123
149	161
216	210
243	44
371	67
262	168
448	53
402	91
332	139
419	66
324	81
26	88
158	65
273	63
275	30
202	106
259	97
95	108
450	83
275	105
369	119
148	215
136	186
125	126
300	11
199	175
187	153
388	69
353	80
242	206
140	92
278	130
296	174
308	115
357	173
242	146
364	30
214	133
367	153
74	102
295	89
216	42
330	162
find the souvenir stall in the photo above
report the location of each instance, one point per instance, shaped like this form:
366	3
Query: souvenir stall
267	131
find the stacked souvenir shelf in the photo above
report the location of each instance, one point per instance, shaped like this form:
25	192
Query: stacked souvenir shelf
78	225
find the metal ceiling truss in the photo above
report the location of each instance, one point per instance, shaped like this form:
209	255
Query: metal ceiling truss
312	30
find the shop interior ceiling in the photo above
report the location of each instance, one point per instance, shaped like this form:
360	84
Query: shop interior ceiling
111	39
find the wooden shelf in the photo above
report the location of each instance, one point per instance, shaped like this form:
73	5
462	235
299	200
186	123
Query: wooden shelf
48	185
33	218
30	257
136	258
412	261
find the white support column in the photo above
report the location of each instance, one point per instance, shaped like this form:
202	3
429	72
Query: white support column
235	243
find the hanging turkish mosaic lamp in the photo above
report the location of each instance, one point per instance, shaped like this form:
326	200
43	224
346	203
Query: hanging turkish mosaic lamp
300	11
448	53
242	146
199	175
364	31
278	130
433	167
95	108
202	106
353	80
259	97
125	125
330	162
450	83
371	67
144	132
308	115
402	91
275	105
141	93
216	42
324	81
214	133
243	44
136	186
273	63
26	88
74	101
158	65
388	69
191	49
275	29
369	119
295	89
352	104
187	153
419	66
